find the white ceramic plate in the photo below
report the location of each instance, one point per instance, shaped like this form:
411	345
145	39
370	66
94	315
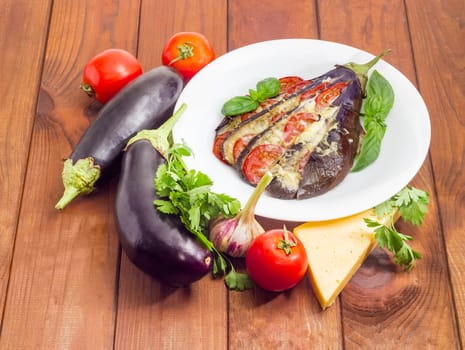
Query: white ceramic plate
404	147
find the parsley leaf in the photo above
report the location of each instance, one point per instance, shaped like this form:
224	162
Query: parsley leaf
238	281
412	206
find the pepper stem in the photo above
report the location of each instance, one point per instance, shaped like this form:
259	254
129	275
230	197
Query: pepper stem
78	178
162	137
362	69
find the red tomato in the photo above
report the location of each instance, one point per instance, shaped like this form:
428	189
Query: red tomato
276	260
297	124
327	96
108	72
240	144
310	93
259	160
187	52
218	144
288	82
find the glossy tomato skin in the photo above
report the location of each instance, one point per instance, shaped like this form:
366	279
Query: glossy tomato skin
270	267
187	52
108	72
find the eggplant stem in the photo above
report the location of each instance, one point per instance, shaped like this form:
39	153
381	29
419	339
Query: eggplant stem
78	178
361	70
162	137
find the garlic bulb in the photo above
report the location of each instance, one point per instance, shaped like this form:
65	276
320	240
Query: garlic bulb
234	235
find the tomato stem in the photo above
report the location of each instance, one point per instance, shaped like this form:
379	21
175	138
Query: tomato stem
286	244
87	89
185	51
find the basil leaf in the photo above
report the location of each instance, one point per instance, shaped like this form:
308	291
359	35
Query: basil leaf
254	95
371	145
267	88
238	105
380	96
376	107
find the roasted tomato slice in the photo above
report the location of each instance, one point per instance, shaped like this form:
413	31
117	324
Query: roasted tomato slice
218	145
326	97
288	82
259	160
310	93
297	124
240	144
298	86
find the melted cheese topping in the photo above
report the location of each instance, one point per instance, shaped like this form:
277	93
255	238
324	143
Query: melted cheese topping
288	172
255	127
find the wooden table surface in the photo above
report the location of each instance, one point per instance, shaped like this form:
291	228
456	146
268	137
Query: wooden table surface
64	282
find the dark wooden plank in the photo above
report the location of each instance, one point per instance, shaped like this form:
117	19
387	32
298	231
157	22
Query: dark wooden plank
62	289
22	57
382	306
258	319
150	315
438	34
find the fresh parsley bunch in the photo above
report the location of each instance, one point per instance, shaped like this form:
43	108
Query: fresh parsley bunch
187	193
411	204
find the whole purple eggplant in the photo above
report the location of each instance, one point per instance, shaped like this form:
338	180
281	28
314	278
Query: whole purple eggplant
145	103
157	243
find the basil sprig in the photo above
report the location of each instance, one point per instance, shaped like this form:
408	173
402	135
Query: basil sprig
377	105
265	88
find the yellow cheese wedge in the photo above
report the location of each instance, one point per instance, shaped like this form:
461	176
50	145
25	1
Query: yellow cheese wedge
336	249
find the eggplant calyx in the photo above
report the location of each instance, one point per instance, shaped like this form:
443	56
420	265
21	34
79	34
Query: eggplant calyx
162	137
78	178
361	70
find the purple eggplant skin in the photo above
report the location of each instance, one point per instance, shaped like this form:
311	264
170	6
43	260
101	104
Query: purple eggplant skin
157	243
323	172
145	103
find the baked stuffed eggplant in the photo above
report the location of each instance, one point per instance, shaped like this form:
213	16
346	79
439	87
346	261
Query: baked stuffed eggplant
308	137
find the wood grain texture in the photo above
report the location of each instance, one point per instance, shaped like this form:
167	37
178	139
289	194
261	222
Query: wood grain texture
438	34
64	282
62	290
398	309
20	69
258	319
254	20
151	316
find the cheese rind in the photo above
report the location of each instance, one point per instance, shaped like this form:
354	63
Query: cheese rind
336	249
